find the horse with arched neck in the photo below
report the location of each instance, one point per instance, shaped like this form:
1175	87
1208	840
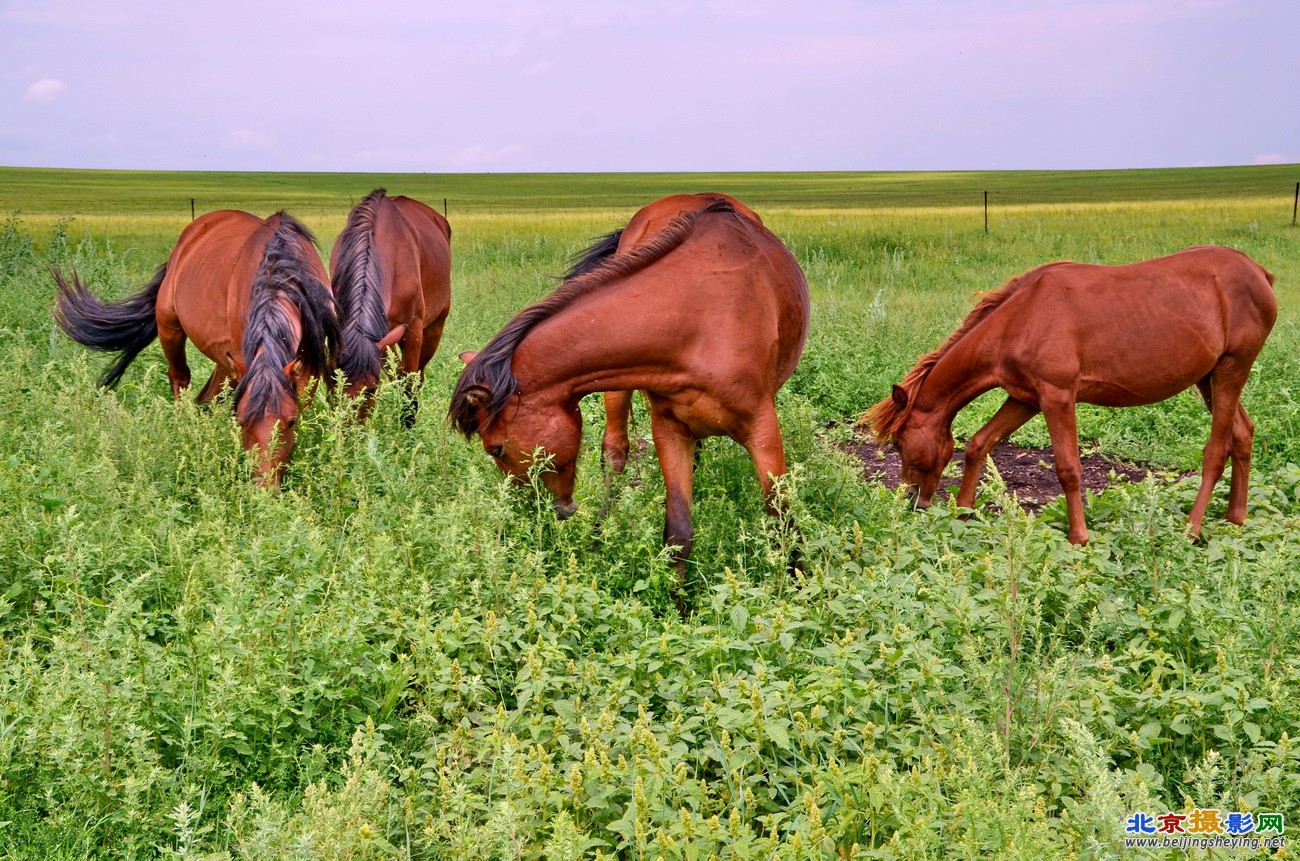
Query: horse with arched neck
252	295
696	303
1115	336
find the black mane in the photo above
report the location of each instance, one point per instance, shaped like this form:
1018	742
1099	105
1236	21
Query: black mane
594	254
357	290
268	333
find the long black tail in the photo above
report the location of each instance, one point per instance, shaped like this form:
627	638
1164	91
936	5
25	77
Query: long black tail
127	326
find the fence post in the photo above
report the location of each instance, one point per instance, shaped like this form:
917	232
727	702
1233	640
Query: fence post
986	212
1295	206
444	207
191	209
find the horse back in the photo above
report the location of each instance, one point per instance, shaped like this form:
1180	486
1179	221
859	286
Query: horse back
210	277
414	245
209	274
1128	334
652	218
730	298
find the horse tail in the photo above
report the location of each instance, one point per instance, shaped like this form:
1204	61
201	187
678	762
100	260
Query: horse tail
127	326
357	285
596	254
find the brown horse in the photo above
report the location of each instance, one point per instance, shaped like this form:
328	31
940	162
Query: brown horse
251	294
696	303
391	270
1115	336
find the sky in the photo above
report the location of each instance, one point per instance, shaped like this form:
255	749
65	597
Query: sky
709	85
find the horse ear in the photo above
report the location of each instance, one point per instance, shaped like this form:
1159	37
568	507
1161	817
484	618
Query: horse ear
394	335
293	369
478	396
468	356
240	367
899	395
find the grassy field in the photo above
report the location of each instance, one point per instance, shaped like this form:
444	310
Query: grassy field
401	657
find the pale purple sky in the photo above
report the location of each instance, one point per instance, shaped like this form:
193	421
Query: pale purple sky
713	85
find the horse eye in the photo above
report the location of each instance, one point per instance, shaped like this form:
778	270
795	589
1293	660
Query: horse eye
497	452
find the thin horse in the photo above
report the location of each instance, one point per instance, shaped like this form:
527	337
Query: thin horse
391	270
696	303
252	295
1115	336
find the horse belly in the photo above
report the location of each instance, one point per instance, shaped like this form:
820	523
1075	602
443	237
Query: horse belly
1146	364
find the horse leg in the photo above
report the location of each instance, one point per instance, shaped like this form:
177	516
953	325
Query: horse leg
675	446
1063	428
1225	384
1009	417
767	450
213	386
1243	440
615	446
412	373
432	337
172	338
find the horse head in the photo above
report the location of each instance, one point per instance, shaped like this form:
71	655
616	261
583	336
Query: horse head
266	405
524	432
363	373
925	449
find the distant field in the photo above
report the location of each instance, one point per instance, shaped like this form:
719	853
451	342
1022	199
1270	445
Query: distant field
80	192
401	657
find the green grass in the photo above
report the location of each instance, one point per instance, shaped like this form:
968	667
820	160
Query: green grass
400	656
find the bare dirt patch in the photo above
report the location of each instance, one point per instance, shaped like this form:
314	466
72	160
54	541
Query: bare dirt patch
1028	472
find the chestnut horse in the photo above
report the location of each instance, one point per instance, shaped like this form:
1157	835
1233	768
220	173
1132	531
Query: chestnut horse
1115	336
391	270
696	303
251	294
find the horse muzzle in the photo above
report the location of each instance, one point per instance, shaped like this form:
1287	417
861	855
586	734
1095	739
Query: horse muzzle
564	509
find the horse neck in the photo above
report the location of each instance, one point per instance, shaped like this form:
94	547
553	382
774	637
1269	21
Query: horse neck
259	334
564	358
960	376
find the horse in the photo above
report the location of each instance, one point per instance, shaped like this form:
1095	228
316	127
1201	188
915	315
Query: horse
1114	336
253	296
696	303
391	270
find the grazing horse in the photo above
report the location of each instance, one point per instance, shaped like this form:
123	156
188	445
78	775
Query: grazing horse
252	295
1115	336
391	270
696	303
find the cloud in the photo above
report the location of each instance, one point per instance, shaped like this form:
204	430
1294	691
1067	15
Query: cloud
247	139
1269	158
45	90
